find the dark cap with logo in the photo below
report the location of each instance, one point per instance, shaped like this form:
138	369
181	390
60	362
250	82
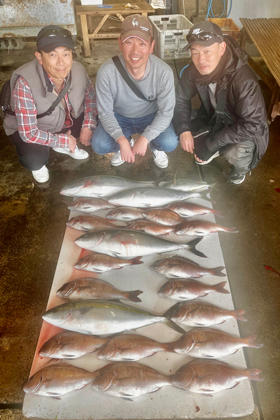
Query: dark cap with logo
204	33
137	26
53	36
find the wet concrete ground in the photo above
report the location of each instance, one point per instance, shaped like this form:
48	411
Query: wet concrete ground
32	227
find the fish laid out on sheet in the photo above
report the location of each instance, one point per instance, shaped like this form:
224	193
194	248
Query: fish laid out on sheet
152	228
163	216
186	185
125	214
90	223
200	228
100	263
187	209
90	205
187	289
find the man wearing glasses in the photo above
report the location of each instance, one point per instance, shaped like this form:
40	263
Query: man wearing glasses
53	102
232	120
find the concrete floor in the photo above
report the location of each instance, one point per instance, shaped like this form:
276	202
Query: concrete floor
32	227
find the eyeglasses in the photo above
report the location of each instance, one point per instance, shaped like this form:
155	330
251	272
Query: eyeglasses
55	32
205	36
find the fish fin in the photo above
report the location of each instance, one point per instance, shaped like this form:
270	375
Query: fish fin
238	315
175	327
208	356
220	287
218	213
192	247
237	383
217	271
250	341
133	296
205	392
136	260
171	310
231	230
253	375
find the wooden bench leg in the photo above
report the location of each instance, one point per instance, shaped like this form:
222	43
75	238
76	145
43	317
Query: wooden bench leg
85	35
90	28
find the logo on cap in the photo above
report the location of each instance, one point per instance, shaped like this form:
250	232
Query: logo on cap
134	22
197	31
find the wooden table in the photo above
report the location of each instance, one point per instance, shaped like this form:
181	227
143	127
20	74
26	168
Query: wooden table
265	33
118	9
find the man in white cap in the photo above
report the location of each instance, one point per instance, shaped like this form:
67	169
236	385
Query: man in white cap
232	120
51	77
122	112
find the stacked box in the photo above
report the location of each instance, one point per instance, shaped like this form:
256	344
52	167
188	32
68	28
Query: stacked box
170	33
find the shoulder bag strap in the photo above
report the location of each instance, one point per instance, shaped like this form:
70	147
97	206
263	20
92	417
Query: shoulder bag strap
56	102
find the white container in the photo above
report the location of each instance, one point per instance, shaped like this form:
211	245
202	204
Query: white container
91	2
170	33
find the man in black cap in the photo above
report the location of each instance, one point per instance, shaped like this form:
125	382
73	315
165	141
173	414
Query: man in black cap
53	102
232	120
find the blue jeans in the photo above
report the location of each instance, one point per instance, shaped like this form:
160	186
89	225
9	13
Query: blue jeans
103	143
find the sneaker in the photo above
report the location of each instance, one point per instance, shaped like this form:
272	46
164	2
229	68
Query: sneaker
235	178
42	175
116	159
160	159
213	156
78	153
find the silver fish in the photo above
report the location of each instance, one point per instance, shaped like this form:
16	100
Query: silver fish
201	228
57	380
131	347
150	197
152	228
71	345
180	267
163	216
90	223
101	186
90	205
125	214
209	376
202	314
186	185
183	289
99	317
89	288
211	343
187	209
129	380
99	263
178	239
129	244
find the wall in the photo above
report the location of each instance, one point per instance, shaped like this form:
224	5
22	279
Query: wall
252	9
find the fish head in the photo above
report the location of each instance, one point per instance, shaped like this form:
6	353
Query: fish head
74	189
107	351
185	344
183	377
66	290
104	380
166	290
93	239
182	228
33	383
59	314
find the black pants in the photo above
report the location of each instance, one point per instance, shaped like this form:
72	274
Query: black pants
33	156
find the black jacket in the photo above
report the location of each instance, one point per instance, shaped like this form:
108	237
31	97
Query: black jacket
244	108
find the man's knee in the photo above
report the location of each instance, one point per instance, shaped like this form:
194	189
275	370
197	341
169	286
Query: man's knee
33	161
102	143
239	155
167	141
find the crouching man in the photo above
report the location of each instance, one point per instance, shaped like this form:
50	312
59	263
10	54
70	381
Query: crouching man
141	101
37	123
232	120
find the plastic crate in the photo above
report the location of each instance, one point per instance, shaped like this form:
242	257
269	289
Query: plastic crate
228	27
170	35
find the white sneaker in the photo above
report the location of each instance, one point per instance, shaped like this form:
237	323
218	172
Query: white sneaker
116	159
42	175
78	153
160	159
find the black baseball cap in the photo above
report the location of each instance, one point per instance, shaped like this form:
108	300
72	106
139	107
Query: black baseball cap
204	33
53	36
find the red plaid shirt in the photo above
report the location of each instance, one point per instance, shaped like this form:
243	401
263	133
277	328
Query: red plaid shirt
26	115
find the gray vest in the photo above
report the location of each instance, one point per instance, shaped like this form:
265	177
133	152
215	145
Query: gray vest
43	96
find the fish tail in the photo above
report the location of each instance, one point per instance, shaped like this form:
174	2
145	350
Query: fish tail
250	341
136	260
192	247
171	310
218	213
169	347
231	230
238	315
133	295
174	326
253	375
220	287
217	271
213	186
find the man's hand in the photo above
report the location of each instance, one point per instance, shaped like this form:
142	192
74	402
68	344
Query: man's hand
85	136
187	142
126	150
140	146
72	141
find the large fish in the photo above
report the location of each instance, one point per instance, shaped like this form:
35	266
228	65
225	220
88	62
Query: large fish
99	317
183	289
185	185
150	197
178	239
180	267
130	244
202	314
89	288
57	380
187	209
152	228
209	376
211	343
90	223
99	263
125	214
71	345
90	205
163	216
129	380
131	347
101	186
201	228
